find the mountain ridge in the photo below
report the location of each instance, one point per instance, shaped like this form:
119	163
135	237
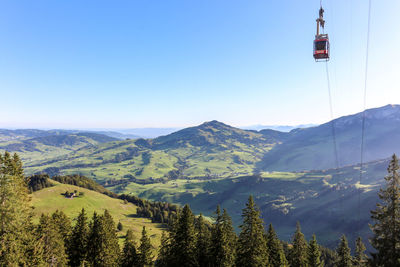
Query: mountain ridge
313	148
217	149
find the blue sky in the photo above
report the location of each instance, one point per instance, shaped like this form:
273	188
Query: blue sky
122	64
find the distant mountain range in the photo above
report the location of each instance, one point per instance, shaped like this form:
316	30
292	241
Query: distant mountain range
134	133
122	134
24	134
281	128
130	133
148	132
36	145
213	148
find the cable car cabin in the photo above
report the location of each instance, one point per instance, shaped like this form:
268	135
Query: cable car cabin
321	47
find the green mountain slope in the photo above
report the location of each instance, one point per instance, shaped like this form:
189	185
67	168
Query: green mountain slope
24	134
212	149
49	146
8	135
51	199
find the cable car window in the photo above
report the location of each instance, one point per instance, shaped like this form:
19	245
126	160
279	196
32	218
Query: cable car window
320	45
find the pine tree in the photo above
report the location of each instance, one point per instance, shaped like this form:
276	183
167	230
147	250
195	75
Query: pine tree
129	254
230	237
343	251
54	253
34	256
145	255
276	253
252	247
203	242
111	255
17	243
164	252
386	239
360	258
328	256
183	239
224	240
94	242
63	224
314	255
77	243
217	247
103	248
298	254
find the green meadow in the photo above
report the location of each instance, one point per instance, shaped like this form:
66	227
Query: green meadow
51	199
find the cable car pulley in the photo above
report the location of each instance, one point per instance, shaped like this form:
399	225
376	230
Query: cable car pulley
321	41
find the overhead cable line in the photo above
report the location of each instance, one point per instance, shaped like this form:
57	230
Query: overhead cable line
364	110
333	127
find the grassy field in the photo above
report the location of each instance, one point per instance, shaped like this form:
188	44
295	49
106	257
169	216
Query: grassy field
51	199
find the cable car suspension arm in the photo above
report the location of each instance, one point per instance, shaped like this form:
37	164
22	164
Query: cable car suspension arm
320	20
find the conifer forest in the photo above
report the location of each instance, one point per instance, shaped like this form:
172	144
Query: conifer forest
187	239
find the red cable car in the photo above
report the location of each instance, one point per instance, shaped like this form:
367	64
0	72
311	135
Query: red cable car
321	42
321	47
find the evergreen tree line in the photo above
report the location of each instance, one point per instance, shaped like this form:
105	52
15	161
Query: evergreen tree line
42	180
93	243
158	212
190	241
54	241
195	242
84	182
37	182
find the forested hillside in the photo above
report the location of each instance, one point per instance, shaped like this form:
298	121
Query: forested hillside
52	240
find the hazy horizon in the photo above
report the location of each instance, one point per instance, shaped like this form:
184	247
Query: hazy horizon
174	128
133	128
